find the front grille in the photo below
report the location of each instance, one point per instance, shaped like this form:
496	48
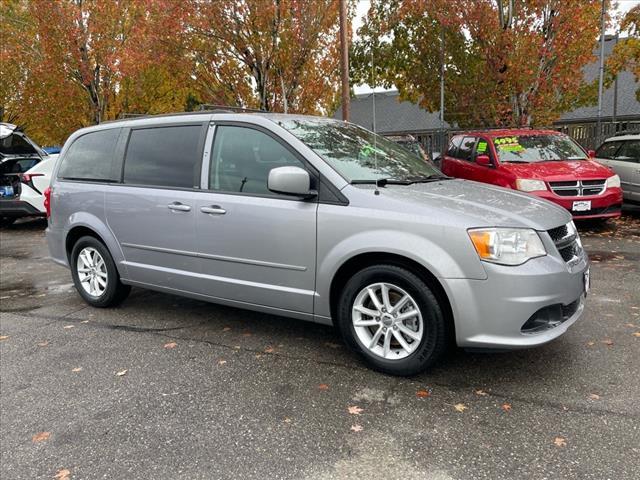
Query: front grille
578	188
567	242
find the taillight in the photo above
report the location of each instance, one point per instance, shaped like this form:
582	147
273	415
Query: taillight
47	201
28	177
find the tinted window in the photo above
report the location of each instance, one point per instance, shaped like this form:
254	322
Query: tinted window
164	156
242	158
89	157
465	149
629	152
608	149
453	147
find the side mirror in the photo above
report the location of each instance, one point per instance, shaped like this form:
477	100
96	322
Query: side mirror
483	160
592	153
291	181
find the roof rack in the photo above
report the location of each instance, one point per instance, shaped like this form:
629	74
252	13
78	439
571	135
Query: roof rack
202	111
227	108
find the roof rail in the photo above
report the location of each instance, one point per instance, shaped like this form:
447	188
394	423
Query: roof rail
217	109
227	108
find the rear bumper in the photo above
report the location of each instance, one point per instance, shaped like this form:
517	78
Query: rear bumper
18	208
606	205
496	313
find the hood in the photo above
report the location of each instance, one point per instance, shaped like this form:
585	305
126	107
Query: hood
470	204
565	170
14	143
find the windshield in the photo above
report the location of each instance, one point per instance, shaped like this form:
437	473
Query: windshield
358	154
537	148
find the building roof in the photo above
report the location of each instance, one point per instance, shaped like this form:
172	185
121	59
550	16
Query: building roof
392	115
395	117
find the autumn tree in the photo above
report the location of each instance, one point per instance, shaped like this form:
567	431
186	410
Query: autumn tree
507	62
283	51
626	53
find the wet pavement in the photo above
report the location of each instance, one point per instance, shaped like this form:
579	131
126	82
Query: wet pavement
167	387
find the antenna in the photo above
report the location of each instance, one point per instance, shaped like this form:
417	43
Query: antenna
373	102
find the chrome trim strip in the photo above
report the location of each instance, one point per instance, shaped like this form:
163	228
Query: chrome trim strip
221	258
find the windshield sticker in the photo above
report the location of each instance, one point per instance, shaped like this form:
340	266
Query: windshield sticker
368	150
482	147
508	144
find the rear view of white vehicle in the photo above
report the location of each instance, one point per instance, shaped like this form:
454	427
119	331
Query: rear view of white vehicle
25	172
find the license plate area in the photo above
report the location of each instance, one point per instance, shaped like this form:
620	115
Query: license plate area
581	206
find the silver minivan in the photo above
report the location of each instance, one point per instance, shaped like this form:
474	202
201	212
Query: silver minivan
622	154
316	219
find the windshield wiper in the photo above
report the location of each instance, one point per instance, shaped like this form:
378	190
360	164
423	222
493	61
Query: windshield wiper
381	182
434	177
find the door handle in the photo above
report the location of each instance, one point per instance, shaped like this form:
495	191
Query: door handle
179	207
213	210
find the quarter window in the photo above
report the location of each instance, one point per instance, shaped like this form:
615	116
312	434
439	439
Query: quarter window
89	157
164	156
242	158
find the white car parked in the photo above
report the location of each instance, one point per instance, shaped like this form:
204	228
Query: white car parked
25	173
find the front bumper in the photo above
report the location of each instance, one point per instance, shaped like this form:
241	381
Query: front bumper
491	313
18	208
605	205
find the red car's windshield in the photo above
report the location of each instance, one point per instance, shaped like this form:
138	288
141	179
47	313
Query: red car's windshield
537	148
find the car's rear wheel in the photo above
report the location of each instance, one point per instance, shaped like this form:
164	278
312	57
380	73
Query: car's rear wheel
6	221
95	274
392	318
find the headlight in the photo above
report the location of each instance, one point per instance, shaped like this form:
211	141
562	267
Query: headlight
507	246
529	185
613	182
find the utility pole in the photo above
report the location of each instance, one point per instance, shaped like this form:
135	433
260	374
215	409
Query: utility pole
344	59
442	135
614	116
601	77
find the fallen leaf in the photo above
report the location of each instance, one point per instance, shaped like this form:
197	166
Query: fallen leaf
608	342
221	361
40	437
560	442
482	393
630	325
43	344
4	337
269	350
287	420
423	393
323	386
355	410
636	334
506	407
170	345
77	369
237	347
258	355
332	345
122	372
460	407
594	396
356	428
68	326
246	334
591	344
226	329
62	474
84	321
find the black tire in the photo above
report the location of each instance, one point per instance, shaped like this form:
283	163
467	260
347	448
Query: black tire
115	291
7	221
434	340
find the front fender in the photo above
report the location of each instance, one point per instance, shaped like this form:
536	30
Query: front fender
441	262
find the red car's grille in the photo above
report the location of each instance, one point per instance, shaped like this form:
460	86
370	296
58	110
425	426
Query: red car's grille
578	188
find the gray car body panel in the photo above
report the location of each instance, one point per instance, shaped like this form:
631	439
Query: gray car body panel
280	255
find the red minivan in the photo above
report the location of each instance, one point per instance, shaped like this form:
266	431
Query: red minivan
545	163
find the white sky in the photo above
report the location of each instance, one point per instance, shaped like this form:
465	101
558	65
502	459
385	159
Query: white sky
620	8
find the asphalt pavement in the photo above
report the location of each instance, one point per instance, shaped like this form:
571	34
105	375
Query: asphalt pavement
167	387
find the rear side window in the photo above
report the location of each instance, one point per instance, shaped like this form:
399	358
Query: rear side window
164	156
453	147
89	157
608	150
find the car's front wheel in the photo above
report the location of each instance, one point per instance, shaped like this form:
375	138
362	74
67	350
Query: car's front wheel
392	318
7	221
95	274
